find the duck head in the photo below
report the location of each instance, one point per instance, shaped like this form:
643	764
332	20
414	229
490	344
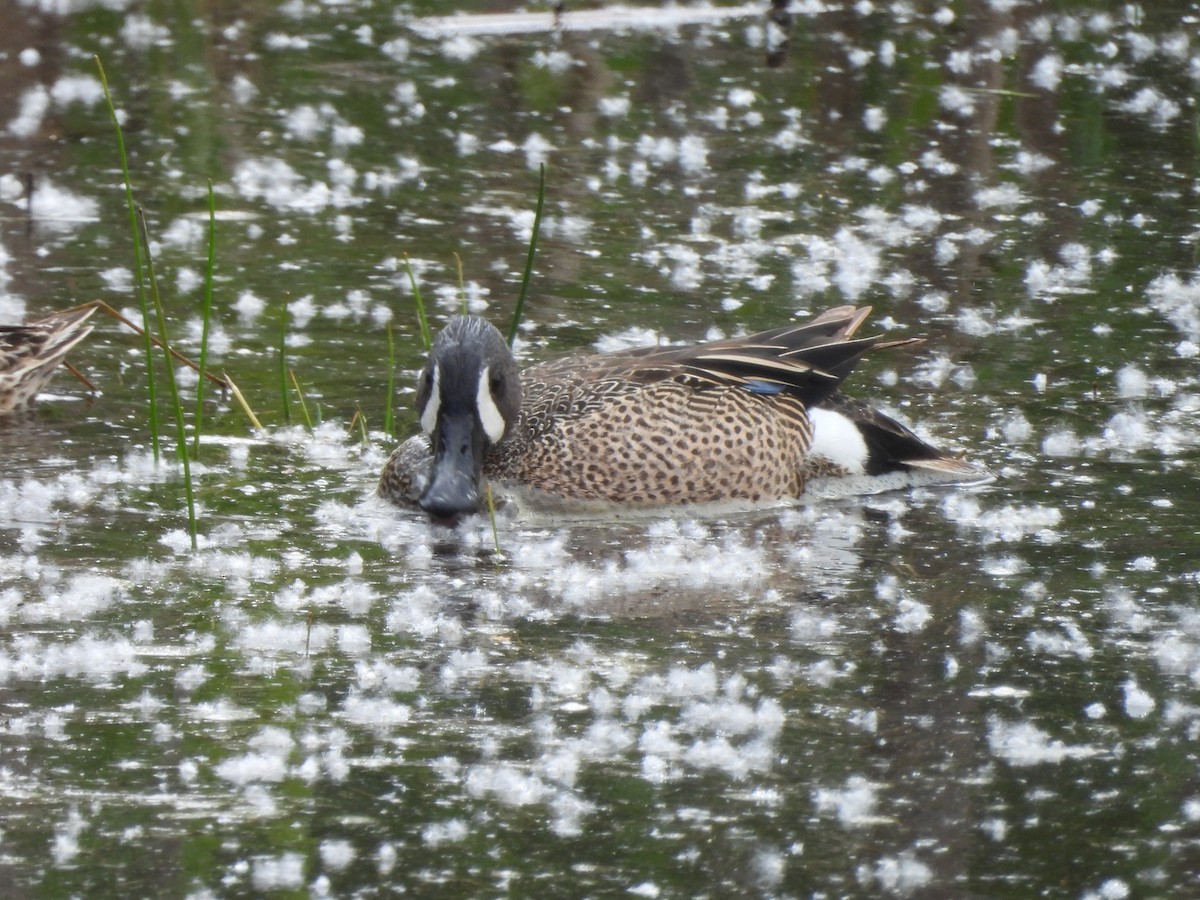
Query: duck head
468	398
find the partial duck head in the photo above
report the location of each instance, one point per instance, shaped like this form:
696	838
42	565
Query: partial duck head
468	398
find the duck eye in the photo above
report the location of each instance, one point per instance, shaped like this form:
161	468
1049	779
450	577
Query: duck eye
496	385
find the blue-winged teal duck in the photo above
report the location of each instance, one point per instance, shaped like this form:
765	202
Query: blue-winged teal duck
30	353
748	418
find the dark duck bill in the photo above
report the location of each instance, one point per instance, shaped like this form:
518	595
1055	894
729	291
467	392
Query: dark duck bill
468	395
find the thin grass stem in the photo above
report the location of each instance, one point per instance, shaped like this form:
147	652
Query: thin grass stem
462	287
151	390
426	335
362	426
300	394
533	239
491	504
172	385
206	316
283	366
389	418
241	401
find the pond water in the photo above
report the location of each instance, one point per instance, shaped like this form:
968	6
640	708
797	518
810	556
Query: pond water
990	691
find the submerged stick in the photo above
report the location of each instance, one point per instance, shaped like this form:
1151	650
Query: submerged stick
88	383
103	307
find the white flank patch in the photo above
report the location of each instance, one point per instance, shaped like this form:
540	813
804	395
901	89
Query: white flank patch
429	414
489	412
837	439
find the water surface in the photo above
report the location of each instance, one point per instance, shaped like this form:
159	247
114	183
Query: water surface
986	691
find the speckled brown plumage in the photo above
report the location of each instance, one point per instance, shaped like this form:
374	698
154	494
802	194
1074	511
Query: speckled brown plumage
669	441
726	420
30	354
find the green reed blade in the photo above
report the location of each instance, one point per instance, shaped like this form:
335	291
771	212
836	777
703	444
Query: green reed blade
533	237
198	418
172	385
300	394
426	336
362	426
151	391
283	366
389	418
462	287
491	504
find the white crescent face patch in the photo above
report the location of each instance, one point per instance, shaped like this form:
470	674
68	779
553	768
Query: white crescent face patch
429	414
489	413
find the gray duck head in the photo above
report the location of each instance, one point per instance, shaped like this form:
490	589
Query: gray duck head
468	398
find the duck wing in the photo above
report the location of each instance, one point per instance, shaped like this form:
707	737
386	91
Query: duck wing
30	353
806	361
